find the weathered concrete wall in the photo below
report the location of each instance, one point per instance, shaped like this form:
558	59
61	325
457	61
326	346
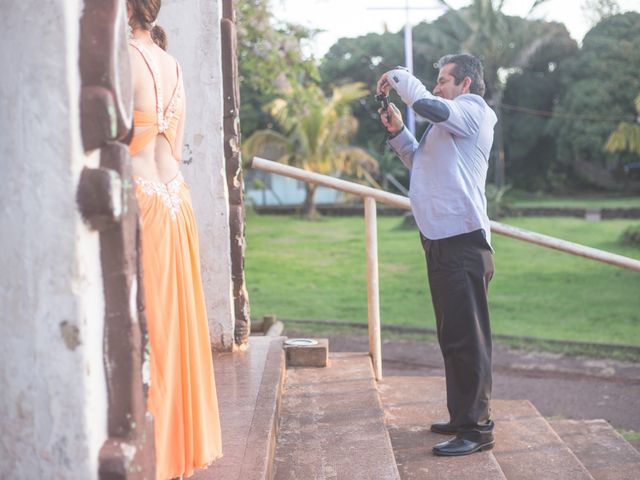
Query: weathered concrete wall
53	403
193	33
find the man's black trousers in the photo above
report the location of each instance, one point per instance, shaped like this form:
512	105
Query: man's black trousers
459	270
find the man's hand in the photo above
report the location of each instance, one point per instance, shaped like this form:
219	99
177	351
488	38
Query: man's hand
384	84
391	119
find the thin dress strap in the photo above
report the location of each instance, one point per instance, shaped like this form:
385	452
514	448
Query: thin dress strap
163	115
173	100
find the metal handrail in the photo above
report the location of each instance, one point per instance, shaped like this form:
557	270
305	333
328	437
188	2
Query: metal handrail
371	195
403	202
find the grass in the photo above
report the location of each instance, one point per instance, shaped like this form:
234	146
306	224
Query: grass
301	269
591	350
573	202
630	435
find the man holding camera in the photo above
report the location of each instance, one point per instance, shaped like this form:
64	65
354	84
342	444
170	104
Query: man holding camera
448	172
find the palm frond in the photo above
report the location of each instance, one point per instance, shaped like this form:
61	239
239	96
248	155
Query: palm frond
357	160
624	138
267	143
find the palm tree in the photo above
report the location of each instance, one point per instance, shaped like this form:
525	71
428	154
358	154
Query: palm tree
626	137
314	135
483	30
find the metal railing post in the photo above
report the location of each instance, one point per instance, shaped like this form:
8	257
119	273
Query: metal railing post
373	294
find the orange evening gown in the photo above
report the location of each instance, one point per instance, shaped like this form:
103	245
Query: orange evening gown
182	391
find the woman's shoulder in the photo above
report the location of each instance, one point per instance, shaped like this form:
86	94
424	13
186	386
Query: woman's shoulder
163	55
153	49
156	59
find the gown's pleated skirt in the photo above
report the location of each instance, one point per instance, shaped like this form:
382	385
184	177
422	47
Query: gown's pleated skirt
182	392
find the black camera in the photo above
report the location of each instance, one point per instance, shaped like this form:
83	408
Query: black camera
383	100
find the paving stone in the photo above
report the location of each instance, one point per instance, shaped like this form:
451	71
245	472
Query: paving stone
602	450
249	385
332	424
527	448
411	404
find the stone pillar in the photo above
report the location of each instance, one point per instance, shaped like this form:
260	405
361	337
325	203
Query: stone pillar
52	376
193	34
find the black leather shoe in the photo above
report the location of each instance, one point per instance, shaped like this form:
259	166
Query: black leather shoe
443	427
462	446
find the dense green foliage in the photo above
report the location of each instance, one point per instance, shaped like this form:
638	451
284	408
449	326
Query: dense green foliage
558	103
529	97
510	47
301	269
601	84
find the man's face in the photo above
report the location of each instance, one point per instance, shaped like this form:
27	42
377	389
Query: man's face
446	85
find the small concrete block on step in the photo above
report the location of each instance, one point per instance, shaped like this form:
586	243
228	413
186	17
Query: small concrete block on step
308	355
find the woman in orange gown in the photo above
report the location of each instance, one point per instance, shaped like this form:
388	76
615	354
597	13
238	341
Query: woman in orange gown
182	393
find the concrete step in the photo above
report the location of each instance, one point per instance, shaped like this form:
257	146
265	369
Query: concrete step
602	450
249	386
332	424
527	448
411	404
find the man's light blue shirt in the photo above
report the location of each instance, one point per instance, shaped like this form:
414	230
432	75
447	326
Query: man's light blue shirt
449	164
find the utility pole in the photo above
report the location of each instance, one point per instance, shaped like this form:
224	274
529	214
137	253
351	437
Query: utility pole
408	50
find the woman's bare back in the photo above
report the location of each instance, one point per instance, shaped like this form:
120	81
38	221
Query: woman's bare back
158	160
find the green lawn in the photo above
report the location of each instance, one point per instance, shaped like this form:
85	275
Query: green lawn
301	269
591	202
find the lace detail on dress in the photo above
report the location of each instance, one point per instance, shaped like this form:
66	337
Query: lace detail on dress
169	193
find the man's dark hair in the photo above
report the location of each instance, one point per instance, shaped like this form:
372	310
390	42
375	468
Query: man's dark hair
465	66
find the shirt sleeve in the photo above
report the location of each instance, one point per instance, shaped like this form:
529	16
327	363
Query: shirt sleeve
459	117
404	145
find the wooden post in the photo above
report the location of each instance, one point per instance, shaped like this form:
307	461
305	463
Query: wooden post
373	297
233	166
107	203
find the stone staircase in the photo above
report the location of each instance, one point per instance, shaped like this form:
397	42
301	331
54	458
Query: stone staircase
249	386
332	424
338	423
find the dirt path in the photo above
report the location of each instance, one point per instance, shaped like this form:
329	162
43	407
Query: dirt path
558	385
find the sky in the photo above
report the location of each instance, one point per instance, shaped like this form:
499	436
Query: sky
352	18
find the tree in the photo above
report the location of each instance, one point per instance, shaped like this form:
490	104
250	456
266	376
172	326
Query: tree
362	59
270	57
314	134
366	58
626	137
601	84
529	96
597	10
505	45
